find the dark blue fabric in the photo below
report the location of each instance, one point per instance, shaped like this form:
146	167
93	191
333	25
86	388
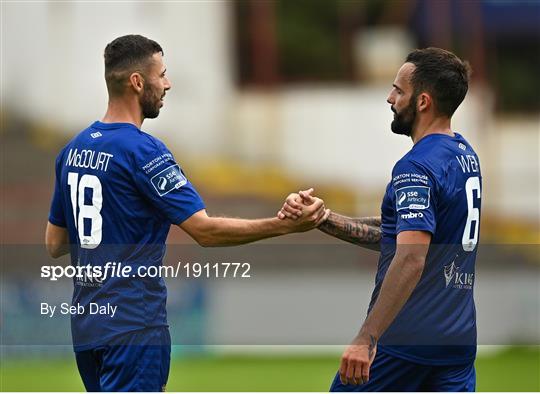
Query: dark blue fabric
435	187
117	191
139	362
388	373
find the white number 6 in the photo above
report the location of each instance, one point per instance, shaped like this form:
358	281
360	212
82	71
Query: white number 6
469	241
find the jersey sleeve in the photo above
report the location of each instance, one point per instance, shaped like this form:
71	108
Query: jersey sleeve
415	193
161	180
56	213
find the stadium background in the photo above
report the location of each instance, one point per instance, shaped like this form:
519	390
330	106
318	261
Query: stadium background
269	97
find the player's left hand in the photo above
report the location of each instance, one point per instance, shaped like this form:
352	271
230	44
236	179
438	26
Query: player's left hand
292	207
357	359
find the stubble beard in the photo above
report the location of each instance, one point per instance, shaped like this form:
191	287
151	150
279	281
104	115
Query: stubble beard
150	103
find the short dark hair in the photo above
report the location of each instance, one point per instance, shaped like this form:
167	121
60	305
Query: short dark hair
443	75
125	55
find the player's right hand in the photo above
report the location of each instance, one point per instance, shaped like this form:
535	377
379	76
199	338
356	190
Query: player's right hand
294	204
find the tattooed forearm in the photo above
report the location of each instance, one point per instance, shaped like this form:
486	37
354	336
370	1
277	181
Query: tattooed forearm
365	232
372	221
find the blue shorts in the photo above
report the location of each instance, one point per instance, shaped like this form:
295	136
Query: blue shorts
390	373
140	362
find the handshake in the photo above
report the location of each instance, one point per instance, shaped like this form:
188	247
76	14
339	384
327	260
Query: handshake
302	211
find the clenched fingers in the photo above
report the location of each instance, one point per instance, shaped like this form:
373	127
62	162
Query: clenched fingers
306	195
290	212
317	204
294	201
350	373
343	371
358	376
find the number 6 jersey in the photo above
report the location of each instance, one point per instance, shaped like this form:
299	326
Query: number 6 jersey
435	187
117	192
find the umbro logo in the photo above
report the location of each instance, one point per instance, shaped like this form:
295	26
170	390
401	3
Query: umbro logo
412	215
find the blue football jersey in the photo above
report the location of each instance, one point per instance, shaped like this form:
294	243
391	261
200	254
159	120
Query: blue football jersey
435	187
117	191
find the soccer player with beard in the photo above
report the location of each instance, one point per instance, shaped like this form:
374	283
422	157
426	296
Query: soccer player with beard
117	192
420	331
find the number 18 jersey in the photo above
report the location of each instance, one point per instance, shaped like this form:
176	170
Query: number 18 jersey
435	187
117	192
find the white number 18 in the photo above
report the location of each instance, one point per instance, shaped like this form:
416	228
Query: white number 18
91	211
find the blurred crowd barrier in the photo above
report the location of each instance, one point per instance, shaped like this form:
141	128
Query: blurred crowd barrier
330	135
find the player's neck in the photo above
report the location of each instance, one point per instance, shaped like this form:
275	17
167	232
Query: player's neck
122	111
434	125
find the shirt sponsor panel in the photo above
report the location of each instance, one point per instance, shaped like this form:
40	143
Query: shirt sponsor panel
412	197
168	179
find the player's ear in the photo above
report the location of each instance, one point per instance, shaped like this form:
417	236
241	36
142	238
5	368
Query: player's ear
136	81
423	102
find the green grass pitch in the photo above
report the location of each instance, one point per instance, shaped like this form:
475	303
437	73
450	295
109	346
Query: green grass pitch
514	369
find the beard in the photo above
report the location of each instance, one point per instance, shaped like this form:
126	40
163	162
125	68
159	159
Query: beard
150	102
403	121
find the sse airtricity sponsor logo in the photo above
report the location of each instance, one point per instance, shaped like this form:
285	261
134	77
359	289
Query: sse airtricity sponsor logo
456	279
412	197
169	179
162	183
